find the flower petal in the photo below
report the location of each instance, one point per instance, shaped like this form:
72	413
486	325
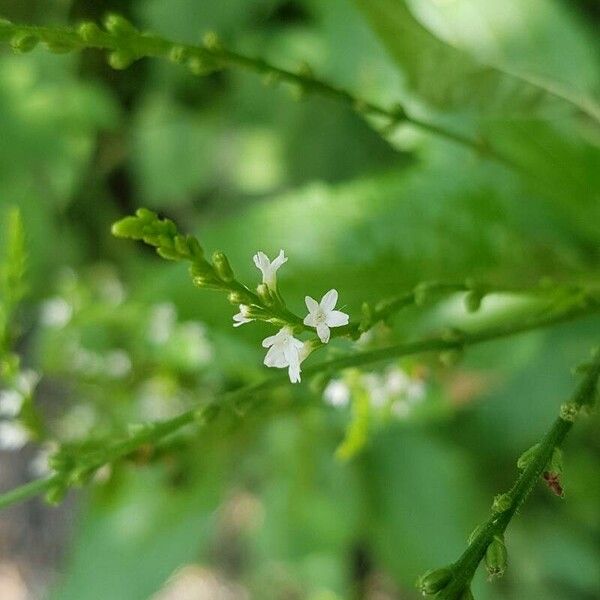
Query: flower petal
261	261
269	341
279	260
337	318
310	320
311	304
329	300
275	358
323	332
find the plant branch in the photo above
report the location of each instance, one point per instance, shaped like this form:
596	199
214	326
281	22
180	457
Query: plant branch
464	568
126	44
239	401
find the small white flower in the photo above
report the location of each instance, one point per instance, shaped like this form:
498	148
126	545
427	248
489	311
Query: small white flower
268	268
323	316
162	323
13	436
56	312
11	402
27	382
337	393
284	351
117	364
243	316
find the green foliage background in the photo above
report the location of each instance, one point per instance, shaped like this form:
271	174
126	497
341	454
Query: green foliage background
245	167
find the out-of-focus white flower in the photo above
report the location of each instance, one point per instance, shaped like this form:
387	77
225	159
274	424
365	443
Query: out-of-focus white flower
162	323
197	348
375	386
337	393
13	436
11	402
117	364
284	351
56	312
269	268
243	316
322	315
39	465
27	382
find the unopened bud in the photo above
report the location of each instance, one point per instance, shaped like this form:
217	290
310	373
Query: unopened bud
502	502
569	412
434	581
23	42
525	459
120	59
90	32
496	557
118	25
222	267
473	300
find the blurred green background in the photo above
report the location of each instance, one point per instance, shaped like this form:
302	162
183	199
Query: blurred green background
265	510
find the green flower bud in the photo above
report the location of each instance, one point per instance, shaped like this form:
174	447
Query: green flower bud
423	292
23	42
90	32
201	66
366	318
168	253
434	580
211	41
146	215
502	502
128	228
120	59
195	248
222	267
118	25
181	245
178	54
569	412
496	557
525	459
237	298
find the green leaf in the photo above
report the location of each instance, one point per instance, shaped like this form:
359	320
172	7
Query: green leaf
450	79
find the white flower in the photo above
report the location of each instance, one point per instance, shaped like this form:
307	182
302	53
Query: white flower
27	382
284	351
322	316
268	268
13	436
11	402
56	312
337	393
243	316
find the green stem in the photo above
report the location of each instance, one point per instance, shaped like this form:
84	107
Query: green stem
145	45
240	400
465	567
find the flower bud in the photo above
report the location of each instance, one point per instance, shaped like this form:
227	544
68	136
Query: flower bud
120	59
434	580
525	459
118	25
366	319
195	248
569	411
90	32
237	298
201	66
146	215
168	253
211	41
128	228
222	267
23	42
178	54
496	557
502	502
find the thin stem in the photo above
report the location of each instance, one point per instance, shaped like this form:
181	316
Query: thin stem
150	45
27	491
465	567
239	401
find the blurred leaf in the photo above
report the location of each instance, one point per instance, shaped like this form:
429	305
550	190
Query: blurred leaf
449	78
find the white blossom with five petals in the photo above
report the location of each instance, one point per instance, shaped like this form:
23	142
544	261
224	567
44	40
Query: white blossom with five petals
285	351
269	268
322	315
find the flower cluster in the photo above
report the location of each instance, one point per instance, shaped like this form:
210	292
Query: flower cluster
284	350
